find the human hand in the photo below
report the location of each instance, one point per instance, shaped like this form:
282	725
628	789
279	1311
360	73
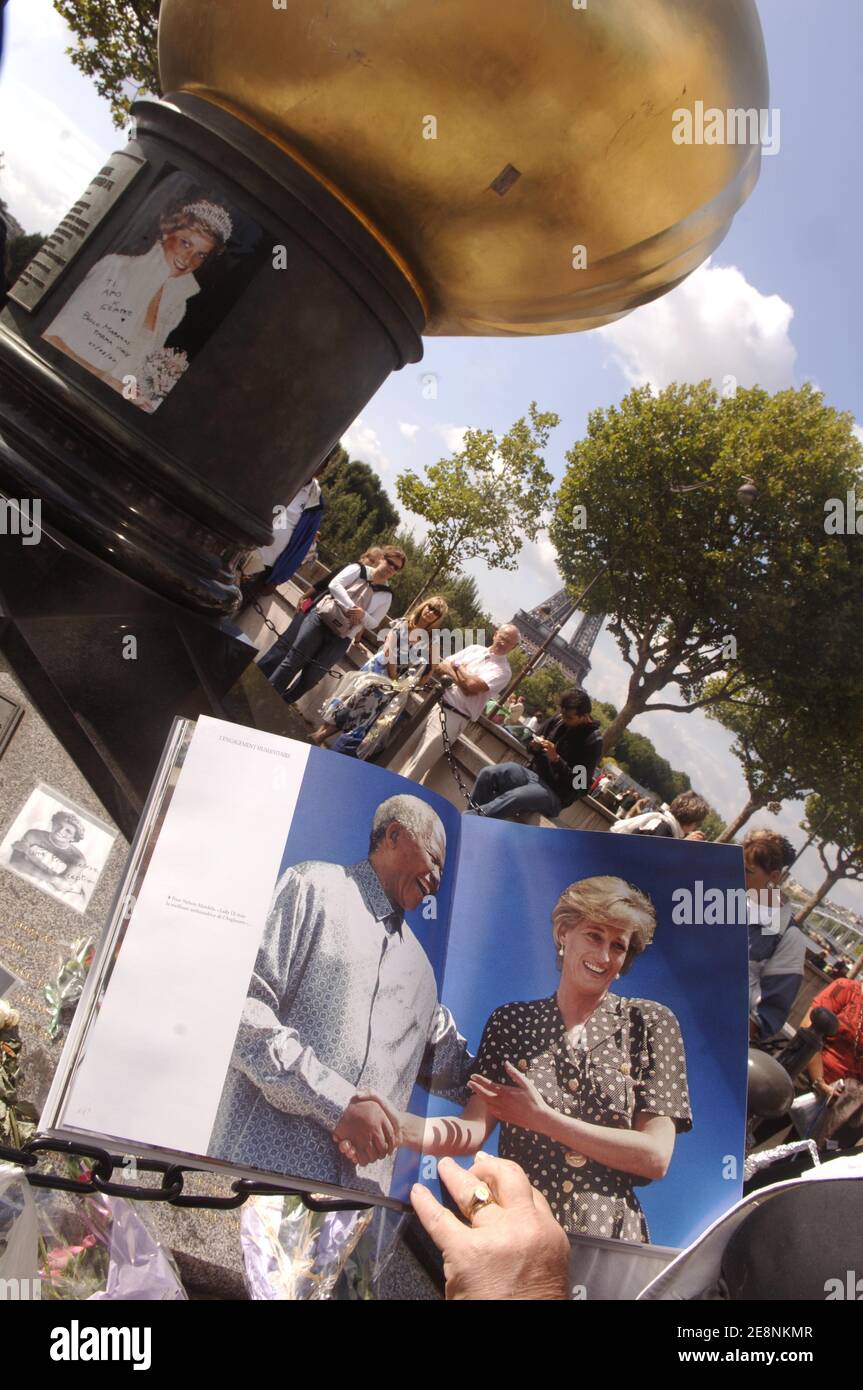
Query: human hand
695	835
365	1132
513	1248
548	749
519	1104
396	1119
356	615
827	1090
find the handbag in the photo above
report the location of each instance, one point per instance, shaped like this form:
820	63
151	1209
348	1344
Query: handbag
334	617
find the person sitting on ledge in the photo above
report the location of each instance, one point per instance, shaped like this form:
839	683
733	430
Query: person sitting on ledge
679	821
565	753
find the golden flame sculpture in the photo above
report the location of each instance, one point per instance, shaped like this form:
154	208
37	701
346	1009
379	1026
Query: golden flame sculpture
517	157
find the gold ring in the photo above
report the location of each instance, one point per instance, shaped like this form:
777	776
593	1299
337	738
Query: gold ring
481	1198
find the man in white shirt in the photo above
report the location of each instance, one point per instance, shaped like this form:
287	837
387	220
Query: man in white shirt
477	673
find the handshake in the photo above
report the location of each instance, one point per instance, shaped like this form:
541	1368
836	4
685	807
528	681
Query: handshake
369	1129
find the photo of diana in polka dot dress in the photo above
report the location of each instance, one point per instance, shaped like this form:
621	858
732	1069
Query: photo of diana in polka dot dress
589	1088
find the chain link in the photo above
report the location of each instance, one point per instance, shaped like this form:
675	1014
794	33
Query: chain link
268	622
327	670
453	767
101	1167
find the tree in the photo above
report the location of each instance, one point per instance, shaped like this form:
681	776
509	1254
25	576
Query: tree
776	747
637	756
544	686
842	806
712	825
699	586
484	501
460	591
116	46
20	251
357	511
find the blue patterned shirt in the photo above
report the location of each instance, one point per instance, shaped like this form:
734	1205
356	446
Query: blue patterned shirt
343	998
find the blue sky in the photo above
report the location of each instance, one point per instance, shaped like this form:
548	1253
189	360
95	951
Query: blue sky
778	304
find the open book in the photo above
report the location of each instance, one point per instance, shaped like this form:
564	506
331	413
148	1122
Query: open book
311	959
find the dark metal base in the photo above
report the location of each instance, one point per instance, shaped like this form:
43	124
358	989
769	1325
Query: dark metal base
66	623
284	355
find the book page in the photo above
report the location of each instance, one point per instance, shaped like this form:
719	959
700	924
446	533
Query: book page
666	1036
154	1062
285	953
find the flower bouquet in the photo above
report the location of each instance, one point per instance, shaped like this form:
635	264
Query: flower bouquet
162	370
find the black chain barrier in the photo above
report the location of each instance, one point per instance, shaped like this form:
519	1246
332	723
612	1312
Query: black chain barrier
453	766
327	670
102	1166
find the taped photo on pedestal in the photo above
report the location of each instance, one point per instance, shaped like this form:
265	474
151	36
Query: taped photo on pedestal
141	314
58	847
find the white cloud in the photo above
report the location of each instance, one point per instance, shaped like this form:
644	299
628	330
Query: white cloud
715	325
409	431
858	431
364	443
452	435
50	156
48	159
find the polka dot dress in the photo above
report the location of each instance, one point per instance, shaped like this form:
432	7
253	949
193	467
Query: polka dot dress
629	1060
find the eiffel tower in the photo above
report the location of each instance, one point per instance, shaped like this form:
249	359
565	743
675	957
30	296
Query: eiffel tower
536	624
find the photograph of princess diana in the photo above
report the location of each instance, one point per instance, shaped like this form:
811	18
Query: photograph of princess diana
589	1088
133	321
610	1043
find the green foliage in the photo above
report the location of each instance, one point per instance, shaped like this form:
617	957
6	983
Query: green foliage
604	713
689	571
834	816
712	826
357	513
485	499
20	251
460	592
637	756
543	687
779	743
116	46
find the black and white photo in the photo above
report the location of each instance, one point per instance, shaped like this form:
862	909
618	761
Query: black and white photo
58	847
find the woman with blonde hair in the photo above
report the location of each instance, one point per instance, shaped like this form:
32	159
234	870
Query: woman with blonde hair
589	1088
380	690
